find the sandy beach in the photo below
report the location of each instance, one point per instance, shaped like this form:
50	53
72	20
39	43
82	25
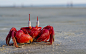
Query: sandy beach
69	24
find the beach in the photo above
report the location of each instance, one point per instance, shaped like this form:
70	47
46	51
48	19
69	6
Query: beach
69	25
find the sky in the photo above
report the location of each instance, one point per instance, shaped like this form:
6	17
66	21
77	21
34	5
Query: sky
39	2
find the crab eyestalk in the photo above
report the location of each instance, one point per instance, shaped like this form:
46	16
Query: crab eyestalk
29	22
37	23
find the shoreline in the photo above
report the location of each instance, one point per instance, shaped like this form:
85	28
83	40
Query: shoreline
42	7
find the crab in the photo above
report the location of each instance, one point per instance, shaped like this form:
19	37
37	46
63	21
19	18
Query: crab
31	34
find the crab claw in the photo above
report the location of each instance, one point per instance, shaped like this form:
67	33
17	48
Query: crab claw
44	35
21	37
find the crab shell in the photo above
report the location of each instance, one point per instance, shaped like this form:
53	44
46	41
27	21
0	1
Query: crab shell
34	32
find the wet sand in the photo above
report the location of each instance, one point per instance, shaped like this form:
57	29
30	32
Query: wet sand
69	25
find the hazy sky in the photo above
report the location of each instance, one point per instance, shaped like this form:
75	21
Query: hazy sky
39	2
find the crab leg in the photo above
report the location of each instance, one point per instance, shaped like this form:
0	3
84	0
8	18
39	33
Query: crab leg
14	40
52	36
9	36
51	32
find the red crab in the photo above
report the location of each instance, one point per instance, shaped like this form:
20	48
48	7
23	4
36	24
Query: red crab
31	34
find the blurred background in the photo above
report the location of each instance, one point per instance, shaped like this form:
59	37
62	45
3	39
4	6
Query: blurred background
27	3
68	17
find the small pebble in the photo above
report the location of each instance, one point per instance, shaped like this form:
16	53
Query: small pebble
57	44
64	50
28	50
53	50
3	45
